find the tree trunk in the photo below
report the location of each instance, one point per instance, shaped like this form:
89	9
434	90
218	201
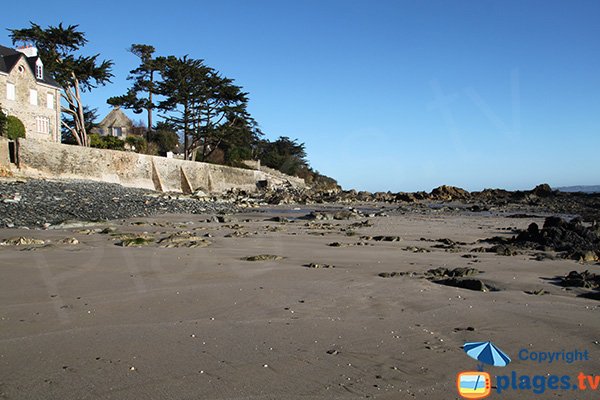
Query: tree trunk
79	117
185	133
149	109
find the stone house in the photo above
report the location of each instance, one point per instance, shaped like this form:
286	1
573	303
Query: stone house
116	123
29	93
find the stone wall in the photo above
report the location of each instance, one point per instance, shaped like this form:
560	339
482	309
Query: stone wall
4	155
5	166
54	160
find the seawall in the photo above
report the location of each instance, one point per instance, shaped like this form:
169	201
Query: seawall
59	161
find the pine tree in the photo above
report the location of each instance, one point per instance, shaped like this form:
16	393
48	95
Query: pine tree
143	78
57	47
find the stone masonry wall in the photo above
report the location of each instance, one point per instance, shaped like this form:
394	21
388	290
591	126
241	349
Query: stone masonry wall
54	160
24	80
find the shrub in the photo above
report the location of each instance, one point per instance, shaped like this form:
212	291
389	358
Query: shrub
138	143
106	142
165	140
14	128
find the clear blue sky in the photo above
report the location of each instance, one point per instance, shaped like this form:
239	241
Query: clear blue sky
386	95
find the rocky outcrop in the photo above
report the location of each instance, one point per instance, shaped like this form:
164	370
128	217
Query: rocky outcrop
449	193
570	239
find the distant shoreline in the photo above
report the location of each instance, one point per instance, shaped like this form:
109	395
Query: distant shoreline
579	188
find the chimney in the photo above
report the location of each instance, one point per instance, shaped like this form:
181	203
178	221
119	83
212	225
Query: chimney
29	51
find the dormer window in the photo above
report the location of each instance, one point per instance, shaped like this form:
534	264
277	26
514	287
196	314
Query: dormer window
39	69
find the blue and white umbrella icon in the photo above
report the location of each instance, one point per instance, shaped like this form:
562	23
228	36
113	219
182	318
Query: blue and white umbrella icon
487	353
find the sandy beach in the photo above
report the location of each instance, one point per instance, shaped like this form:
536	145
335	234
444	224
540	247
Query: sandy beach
169	307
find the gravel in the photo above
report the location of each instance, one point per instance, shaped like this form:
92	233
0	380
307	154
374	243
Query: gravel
40	203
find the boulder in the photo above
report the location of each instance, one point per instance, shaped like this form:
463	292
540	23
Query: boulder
543	190
448	193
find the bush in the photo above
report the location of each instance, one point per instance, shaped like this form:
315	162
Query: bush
317	181
165	140
14	128
106	142
137	143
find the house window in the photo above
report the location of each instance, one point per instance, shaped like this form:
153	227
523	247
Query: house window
118	132
50	101
42	124
39	69
10	91
33	98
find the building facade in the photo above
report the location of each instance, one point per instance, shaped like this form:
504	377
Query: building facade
29	93
116	123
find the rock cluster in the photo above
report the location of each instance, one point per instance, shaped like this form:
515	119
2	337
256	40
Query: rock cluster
572	238
541	198
586	280
39	203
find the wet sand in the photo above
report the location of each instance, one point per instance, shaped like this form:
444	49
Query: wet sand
96	320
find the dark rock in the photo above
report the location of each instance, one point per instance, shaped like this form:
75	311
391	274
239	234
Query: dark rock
396	274
263	257
315	265
387	238
543	190
537	292
465	283
459	272
504	250
225	219
583	279
478	208
544	256
571	237
280	219
406	197
468	328
447	193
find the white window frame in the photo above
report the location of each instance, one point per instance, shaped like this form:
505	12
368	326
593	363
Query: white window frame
33	97
50	101
42	125
39	69
10	91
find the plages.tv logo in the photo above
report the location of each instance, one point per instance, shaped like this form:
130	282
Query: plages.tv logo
478	384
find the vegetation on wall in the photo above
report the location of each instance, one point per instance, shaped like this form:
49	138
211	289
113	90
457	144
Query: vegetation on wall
106	142
14	128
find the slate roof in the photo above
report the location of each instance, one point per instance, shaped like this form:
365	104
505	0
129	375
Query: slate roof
9	58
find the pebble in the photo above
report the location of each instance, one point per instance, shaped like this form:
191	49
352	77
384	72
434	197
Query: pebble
44	203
